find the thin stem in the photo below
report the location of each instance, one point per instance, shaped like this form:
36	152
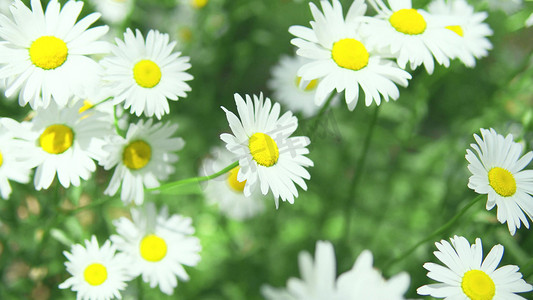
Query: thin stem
437	232
316	119
356	179
195	179
115	122
103	101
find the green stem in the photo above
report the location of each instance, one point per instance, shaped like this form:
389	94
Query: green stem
103	101
436	233
115	122
356	179
316	119
195	179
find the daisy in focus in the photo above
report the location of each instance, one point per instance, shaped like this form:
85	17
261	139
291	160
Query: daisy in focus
146	74
63	141
45	54
319	280
467	276
158	246
459	17
289	88
141	159
97	272
341	58
14	164
497	170
267	155
226	190
412	35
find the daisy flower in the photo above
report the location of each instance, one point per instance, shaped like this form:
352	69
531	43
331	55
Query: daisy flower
97	272
467	276
45	54
497	170
411	35
289	88
141	159
65	142
146	74
341	58
114	11
460	18
14	164
226	190
267	155
158	246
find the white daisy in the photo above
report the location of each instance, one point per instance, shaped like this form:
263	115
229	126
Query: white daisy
459	17
64	142
497	171
529	21
114	11
14	160
268	156
97	272
467	276
289	88
146	74
411	35
226	190
142	159
158	246
342	59
45	54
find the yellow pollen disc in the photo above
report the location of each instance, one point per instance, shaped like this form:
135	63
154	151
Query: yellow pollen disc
264	149
48	52
86	105
350	54
457	29
310	86
95	274
199	3
1	159
147	73
136	155
233	182
408	21
56	139
477	285
153	248
502	181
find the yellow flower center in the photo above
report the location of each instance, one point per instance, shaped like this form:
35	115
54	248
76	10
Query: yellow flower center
136	155
198	3
477	285
56	139
147	73
408	21
502	181
86	105
48	52
233	182
350	54
264	149
1	159
310	86
153	248
95	274
457	29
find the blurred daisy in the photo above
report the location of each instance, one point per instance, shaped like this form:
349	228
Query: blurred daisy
467	276
529	21
14	154
63	142
411	35
146	74
459	17
114	11
158	246
497	171
97	273
142	159
289	88
45	54
267	155
342	59
226	190
508	6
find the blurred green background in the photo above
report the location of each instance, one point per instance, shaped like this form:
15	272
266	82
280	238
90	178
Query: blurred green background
413	181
